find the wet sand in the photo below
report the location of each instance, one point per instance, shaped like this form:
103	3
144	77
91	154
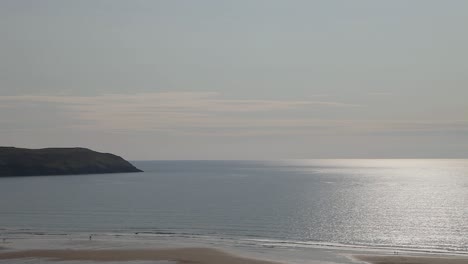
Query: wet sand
194	255
181	255
374	259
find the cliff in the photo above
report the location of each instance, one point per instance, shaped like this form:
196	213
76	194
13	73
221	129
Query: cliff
59	161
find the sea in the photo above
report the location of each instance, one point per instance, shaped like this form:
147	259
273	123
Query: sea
418	205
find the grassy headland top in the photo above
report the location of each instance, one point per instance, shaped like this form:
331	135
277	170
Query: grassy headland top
59	161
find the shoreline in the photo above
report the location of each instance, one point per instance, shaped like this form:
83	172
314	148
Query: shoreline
174	240
406	259
136	248
203	255
178	255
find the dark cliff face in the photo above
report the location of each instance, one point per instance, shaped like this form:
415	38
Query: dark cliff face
59	161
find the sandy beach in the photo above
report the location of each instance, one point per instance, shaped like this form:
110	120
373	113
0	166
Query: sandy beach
377	259
208	255
181	255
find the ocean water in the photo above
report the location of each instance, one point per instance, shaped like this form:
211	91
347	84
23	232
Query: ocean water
410	204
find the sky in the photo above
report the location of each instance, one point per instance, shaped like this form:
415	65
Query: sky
244	79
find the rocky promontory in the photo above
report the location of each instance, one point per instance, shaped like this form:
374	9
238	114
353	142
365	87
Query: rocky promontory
59	161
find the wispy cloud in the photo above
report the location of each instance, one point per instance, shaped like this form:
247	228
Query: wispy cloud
201	101
207	113
167	110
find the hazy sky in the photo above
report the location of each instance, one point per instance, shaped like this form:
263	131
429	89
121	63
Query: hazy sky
236	79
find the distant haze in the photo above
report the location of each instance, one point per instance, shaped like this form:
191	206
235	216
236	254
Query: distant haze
236	79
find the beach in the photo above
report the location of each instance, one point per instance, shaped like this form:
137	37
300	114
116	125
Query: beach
181	255
78	249
385	259
133	249
203	256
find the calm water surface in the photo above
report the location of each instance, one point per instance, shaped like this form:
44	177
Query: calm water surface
420	204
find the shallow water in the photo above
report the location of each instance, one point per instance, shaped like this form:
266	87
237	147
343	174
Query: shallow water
410	204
